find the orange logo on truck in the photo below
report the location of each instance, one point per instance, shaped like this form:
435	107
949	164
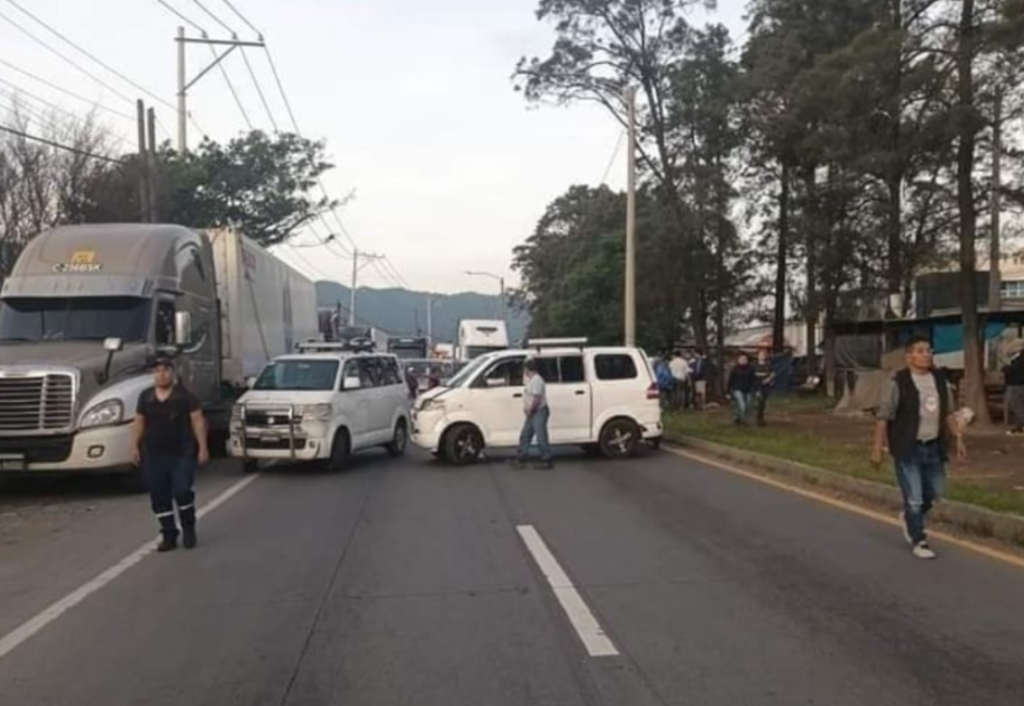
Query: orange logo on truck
81	261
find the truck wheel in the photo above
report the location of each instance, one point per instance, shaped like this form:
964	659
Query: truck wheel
250	465
463	445
620	438
401	439
340	451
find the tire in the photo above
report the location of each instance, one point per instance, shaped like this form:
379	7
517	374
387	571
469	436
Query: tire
654	443
396	449
463	445
250	465
620	438
340	451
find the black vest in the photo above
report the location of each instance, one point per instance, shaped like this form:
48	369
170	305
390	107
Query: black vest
903	429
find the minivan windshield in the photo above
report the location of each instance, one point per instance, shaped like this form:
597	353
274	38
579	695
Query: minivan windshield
298	375
468	372
74	319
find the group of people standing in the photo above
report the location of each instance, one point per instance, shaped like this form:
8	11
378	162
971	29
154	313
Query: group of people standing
682	379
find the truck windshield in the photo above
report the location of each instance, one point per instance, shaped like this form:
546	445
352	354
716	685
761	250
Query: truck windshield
298	375
473	352
75	319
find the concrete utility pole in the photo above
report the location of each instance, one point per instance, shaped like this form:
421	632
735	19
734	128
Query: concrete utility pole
995	285
630	294
367	258
154	176
143	165
501	284
430	323
184	84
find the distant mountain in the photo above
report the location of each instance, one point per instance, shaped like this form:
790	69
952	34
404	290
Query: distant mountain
401	312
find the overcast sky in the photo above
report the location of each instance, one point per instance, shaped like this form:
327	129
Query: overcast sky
450	167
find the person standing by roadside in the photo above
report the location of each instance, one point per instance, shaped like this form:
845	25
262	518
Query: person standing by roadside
681	374
169	444
537	415
764	375
699	378
1014	377
916	417
666	383
742	383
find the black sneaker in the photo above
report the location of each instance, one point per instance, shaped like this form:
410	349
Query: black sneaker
188	537
167	544
544	466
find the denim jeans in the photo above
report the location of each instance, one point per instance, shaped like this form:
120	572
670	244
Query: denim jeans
922	477
170	481
536	425
741	405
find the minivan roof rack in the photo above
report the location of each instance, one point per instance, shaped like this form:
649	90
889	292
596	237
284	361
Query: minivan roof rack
540	343
352	345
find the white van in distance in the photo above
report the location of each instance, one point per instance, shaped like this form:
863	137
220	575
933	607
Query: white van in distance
322	405
603	399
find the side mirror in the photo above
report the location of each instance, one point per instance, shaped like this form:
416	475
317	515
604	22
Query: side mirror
250	382
352	383
183	328
113	345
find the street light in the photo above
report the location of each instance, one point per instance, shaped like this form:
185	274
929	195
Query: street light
501	283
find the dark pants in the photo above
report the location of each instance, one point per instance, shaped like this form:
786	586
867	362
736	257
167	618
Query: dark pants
922	477
536	425
170	482
762	403
1015	406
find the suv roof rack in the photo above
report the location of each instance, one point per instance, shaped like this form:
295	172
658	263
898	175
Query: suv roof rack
541	343
352	345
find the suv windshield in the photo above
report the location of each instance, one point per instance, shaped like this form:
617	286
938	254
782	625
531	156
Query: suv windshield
298	375
74	319
468	372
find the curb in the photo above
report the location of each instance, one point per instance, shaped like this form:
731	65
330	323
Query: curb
969	518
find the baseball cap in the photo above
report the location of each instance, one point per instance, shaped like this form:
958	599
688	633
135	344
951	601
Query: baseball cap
163	361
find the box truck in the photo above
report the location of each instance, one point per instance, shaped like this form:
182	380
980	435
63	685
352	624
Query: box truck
477	337
87	308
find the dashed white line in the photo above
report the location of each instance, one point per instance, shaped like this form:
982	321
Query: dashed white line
590	632
28	629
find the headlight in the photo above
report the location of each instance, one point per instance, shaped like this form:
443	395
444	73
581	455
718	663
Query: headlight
102	415
236	412
433	405
316	412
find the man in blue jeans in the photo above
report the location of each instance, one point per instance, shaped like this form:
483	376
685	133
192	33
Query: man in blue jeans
916	417
537	413
170	442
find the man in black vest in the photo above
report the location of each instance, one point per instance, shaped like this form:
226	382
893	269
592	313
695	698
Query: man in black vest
915	416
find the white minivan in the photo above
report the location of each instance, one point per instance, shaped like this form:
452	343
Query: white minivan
604	399
322	406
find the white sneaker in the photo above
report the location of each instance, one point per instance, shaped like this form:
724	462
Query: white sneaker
923	551
903	526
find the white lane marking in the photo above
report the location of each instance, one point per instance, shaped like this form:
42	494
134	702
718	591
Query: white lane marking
590	632
25	631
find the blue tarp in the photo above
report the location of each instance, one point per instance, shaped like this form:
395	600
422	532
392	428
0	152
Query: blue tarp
949	338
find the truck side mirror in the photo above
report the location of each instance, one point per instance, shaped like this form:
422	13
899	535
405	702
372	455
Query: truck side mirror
183	328
113	345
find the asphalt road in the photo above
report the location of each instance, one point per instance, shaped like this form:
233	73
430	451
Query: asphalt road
406	582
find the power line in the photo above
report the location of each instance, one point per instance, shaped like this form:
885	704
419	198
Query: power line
280	87
243	19
58	145
259	90
231	87
216	19
18	102
183	18
93	57
67	92
611	161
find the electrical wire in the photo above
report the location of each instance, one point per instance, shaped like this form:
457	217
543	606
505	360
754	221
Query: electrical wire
611	160
183	18
58	145
231	87
92	56
216	19
66	92
259	90
18	102
243	19
284	95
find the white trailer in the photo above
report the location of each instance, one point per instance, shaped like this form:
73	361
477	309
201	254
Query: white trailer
477	337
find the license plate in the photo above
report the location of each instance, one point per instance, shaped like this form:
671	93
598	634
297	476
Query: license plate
12	463
270	438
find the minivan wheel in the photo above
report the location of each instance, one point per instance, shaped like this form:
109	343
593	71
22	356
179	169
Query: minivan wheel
620	438
340	451
463	445
400	440
250	466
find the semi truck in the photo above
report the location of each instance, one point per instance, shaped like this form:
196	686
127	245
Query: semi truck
477	337
85	311
409	347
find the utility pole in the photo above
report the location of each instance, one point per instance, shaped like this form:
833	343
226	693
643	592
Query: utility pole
143	164
501	284
153	172
630	294
184	84
430	323
356	266
995	285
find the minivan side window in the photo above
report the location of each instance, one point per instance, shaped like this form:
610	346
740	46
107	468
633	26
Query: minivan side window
351	371
548	369
370	372
392	375
571	367
509	372
615	367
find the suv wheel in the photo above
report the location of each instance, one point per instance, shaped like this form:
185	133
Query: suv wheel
620	438
401	439
340	451
463	445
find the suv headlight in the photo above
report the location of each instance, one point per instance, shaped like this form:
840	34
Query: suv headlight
316	412
102	415
433	405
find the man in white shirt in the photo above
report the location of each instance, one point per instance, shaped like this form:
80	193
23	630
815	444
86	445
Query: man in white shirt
537	415
680	370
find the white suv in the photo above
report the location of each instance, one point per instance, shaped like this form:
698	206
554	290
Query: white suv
322	406
604	399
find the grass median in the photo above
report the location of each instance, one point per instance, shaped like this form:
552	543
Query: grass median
804	430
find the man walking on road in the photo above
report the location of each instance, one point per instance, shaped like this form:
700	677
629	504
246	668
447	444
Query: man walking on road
169	443
537	413
916	416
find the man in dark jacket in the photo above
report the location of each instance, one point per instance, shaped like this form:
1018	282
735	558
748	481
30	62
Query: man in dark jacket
742	383
1014	377
916	417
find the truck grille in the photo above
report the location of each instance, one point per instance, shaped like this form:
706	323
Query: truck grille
36	403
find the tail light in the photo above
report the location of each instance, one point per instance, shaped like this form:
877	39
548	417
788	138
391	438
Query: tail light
652	392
